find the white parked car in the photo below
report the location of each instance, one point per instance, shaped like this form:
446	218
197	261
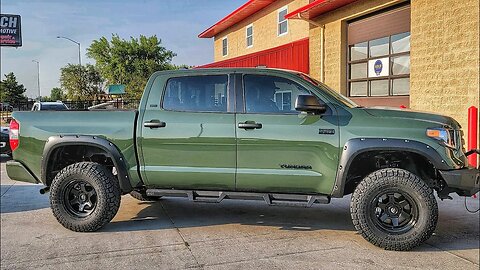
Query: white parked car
49	106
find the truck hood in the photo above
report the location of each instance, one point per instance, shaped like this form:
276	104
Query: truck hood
390	112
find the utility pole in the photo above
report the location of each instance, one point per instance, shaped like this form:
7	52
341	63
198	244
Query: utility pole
38	78
79	60
78	43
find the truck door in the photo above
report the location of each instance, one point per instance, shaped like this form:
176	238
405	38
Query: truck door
278	148
188	134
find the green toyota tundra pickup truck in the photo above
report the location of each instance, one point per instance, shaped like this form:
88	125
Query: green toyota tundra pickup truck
262	134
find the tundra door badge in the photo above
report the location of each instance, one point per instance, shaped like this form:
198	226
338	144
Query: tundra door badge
328	131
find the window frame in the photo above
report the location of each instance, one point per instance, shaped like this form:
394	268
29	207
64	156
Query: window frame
228	94
247	36
284	8
225	52
367	79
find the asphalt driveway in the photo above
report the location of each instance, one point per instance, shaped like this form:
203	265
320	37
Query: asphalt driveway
178	234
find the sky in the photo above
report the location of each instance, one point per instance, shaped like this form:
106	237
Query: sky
176	22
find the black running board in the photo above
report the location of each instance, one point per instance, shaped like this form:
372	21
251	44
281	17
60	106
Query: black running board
218	196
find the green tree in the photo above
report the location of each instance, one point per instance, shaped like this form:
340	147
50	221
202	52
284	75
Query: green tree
81	82
56	94
10	90
130	62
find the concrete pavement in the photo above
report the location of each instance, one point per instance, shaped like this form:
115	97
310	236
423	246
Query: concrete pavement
178	234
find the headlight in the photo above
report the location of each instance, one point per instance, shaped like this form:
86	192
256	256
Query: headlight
446	136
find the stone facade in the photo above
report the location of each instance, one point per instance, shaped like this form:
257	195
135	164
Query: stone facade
445	57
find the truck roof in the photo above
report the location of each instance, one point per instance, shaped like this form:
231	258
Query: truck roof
228	69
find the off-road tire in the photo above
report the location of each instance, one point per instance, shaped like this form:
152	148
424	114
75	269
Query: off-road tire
107	196
141	196
363	201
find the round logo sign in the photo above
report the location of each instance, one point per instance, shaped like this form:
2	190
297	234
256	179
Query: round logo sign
378	67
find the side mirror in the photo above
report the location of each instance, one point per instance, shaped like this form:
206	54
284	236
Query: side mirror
309	103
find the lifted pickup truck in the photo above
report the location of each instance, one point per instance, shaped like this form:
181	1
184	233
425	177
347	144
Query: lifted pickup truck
273	135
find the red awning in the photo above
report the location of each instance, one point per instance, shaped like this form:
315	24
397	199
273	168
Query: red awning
318	7
238	15
292	56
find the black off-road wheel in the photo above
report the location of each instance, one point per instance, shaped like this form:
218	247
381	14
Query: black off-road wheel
394	209
142	196
84	196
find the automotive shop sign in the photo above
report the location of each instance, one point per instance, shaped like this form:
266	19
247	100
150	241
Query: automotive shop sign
10	30
378	67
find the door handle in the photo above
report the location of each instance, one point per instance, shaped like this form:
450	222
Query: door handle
155	124
250	125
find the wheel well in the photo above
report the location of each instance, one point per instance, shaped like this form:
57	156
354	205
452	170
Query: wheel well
370	161
64	156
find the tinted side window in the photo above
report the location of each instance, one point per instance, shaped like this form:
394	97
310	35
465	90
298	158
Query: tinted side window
196	94
270	94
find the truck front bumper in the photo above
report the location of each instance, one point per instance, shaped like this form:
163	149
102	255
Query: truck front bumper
464	181
16	171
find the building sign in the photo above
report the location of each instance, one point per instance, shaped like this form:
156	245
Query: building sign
378	67
10	30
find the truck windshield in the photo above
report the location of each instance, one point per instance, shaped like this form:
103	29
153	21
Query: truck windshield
343	99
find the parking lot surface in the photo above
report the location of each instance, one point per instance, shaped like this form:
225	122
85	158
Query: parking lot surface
178	234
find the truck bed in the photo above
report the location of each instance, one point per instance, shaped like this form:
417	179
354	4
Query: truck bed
36	127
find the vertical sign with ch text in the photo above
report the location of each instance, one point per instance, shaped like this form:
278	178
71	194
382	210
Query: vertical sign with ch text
10	30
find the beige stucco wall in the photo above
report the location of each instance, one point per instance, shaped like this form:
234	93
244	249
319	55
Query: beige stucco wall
264	31
445	63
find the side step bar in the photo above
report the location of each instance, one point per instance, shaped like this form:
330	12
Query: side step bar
218	196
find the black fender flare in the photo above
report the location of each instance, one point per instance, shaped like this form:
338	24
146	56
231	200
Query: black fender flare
110	149
355	147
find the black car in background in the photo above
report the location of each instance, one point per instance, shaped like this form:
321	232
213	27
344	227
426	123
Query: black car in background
4	142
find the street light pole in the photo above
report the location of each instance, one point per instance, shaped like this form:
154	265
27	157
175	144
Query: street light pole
78	43
38	78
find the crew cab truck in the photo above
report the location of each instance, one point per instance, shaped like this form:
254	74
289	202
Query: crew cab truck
265	134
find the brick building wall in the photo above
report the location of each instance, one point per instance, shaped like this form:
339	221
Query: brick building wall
445	57
264	31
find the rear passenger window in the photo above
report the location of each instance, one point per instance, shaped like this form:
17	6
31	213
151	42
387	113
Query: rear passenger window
196	94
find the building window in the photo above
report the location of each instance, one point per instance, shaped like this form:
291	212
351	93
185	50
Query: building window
249	35
225	46
380	67
282	22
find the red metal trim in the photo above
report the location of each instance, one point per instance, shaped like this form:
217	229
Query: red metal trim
472	134
238	15
317	8
293	56
303	9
